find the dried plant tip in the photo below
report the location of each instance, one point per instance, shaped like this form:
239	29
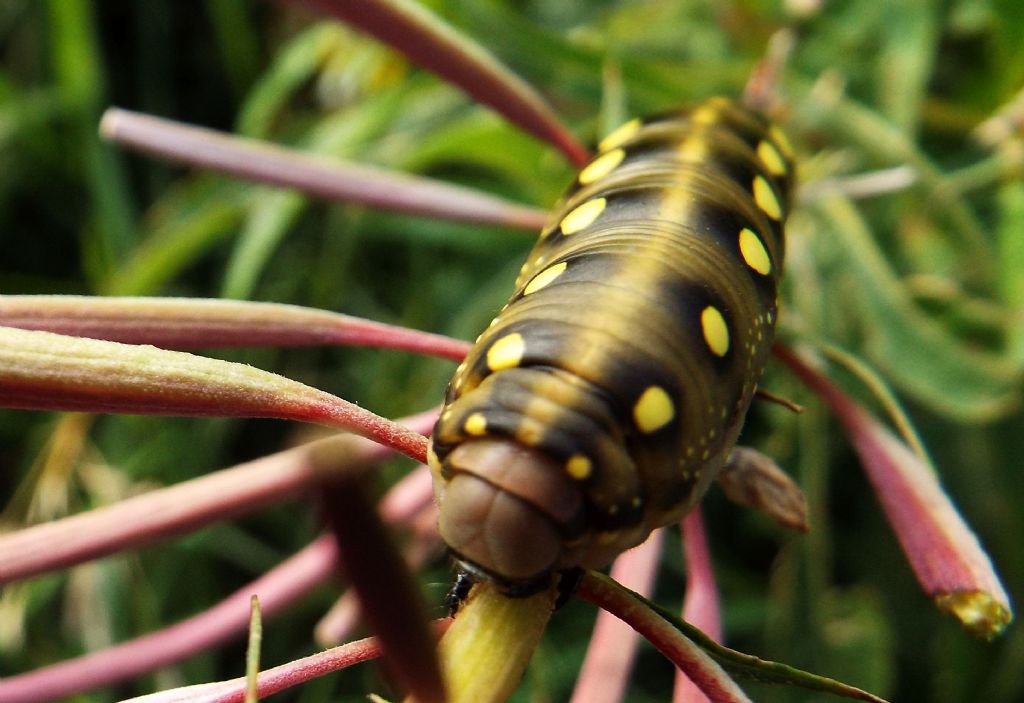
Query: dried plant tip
487	648
979	613
753	479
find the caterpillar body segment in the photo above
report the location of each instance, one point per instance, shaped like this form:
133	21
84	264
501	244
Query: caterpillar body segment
607	393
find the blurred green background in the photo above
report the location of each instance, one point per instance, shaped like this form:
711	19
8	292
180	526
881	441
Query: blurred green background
926	284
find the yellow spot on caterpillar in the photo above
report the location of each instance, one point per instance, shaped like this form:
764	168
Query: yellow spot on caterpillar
506	353
716	333
544	278
705	114
653	410
636	502
579	467
765	198
620	135
771	158
601	166
583	215
779	137
476	425
705	454
693	148
530	435
754	253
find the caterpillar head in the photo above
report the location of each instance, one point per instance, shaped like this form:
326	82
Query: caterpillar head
505	510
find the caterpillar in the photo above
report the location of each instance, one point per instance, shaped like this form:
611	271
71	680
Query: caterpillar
605	396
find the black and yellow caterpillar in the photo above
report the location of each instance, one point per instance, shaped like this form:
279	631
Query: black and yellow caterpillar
607	393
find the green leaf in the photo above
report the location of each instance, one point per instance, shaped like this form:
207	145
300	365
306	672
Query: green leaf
922	357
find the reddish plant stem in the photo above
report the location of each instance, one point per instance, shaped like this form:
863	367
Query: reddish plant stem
437	48
700	605
314	175
192	504
188	323
388	596
682	652
605	672
47	371
949	562
276	589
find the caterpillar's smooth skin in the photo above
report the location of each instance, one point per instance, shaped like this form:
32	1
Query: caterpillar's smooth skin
608	392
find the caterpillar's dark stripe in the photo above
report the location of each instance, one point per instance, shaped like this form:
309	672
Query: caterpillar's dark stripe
618	374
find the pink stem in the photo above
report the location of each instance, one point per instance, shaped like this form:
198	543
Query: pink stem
684	653
282	677
189	323
946	556
276	589
315	175
187	506
700	606
412	31
612	649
